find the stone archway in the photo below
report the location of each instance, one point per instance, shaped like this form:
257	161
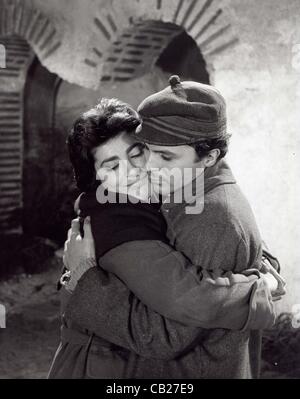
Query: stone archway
15	113
24	33
39	143
12	78
83	52
21	18
128	41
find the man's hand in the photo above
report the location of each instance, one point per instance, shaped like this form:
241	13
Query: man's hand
275	282
79	252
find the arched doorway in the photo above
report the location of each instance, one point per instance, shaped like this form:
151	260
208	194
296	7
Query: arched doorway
39	147
146	44
12	78
27	137
24	33
182	57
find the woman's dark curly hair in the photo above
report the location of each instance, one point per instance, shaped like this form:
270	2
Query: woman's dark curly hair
95	127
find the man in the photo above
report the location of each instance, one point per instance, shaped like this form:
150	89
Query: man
184	126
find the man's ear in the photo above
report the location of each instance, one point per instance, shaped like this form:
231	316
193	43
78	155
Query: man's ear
212	158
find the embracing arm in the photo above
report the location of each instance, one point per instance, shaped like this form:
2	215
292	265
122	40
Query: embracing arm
168	283
102	304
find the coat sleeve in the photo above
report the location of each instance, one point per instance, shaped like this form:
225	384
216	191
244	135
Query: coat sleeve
164	280
102	304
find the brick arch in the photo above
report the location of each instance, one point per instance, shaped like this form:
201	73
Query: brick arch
129	40
12	80
24	33
18	17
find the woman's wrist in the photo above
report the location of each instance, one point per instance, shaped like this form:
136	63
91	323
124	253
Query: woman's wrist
75	275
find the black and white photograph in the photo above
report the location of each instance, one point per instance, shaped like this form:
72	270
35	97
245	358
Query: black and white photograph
149	199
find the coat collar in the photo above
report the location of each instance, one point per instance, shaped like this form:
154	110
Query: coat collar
219	174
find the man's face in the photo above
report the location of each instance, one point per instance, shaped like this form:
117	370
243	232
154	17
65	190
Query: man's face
167	166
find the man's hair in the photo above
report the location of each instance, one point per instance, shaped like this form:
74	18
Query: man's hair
101	123
203	148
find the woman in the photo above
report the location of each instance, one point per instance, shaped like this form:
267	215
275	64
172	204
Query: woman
102	151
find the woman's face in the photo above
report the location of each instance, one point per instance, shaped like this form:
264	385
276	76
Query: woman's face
120	164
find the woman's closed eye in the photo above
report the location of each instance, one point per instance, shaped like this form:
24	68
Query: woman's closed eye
111	165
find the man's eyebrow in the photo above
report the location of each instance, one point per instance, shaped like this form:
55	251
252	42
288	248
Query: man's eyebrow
114	158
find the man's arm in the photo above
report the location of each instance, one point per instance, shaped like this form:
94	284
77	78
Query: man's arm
168	283
102	304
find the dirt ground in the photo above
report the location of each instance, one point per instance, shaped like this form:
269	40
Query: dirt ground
31	336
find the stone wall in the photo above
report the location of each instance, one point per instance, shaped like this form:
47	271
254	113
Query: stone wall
23	28
261	86
12	80
91	32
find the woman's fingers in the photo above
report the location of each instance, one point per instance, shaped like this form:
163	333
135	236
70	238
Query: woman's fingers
75	227
73	234
88	239
87	228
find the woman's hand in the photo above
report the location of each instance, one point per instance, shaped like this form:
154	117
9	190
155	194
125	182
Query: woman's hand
79	252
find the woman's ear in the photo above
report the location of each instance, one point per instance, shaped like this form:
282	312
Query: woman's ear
212	158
